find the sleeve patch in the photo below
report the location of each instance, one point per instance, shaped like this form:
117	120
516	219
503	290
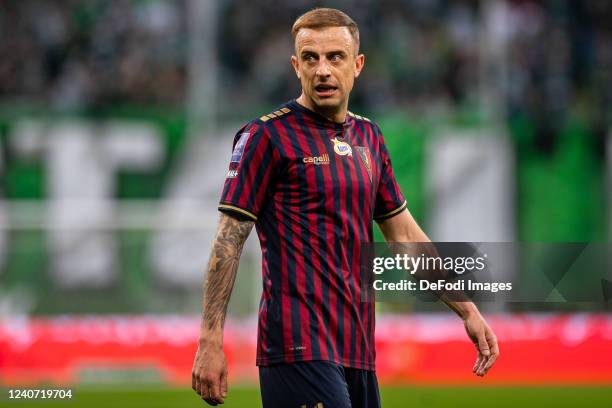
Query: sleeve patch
239	148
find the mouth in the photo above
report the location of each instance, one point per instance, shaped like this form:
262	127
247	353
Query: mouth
325	90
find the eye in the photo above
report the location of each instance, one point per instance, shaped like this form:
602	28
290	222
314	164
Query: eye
308	57
335	57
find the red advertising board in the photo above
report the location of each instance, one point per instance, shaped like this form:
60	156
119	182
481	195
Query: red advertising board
411	349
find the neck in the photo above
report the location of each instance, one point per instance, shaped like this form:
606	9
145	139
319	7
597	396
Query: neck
335	114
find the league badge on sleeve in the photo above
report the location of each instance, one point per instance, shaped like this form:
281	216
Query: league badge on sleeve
342	148
239	148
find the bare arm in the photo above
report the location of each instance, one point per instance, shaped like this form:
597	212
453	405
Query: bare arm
222	267
209	376
403	228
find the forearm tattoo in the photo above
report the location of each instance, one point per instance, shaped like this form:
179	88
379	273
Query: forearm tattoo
222	268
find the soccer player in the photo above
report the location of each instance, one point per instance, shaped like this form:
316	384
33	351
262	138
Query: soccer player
311	176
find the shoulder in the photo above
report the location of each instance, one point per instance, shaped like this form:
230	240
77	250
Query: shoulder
359	117
277	114
367	123
262	125
261	129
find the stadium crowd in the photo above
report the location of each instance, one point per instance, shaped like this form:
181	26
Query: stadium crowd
423	55
70	54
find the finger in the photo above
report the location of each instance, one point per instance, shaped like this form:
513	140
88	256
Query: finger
489	364
477	362
493	345
210	401
215	391
483	346
218	394
493	358
224	383
198	385
483	362
206	396
202	388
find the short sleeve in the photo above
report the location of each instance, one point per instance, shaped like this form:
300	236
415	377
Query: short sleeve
389	198
251	174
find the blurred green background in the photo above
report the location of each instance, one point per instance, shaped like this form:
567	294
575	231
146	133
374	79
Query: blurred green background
116	124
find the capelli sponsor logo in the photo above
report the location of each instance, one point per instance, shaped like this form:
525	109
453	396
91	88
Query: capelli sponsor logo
323	159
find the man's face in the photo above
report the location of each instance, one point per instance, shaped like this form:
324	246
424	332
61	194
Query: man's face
327	65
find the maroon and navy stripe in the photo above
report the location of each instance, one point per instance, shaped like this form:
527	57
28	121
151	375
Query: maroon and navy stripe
311	304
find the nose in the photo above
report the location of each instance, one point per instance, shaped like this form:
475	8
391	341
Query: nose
323	69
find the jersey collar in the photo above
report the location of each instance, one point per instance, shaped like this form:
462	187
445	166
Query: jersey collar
320	119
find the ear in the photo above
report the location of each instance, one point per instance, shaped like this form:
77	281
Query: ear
296	65
359	63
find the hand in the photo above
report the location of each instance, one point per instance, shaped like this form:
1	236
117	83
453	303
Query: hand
485	341
209	374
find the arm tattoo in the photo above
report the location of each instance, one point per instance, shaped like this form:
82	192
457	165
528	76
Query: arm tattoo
222	269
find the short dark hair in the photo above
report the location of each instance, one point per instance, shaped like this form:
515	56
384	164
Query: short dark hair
326	17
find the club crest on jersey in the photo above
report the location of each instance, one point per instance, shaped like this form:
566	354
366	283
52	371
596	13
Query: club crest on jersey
342	148
364	155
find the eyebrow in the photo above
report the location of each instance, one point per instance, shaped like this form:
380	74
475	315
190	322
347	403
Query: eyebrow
307	52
